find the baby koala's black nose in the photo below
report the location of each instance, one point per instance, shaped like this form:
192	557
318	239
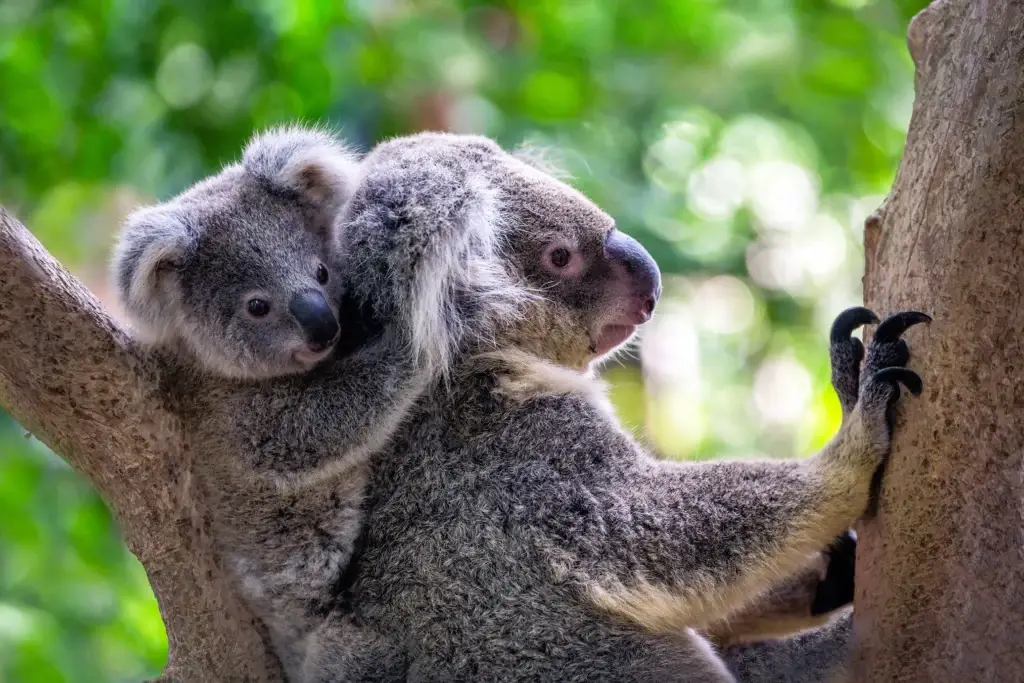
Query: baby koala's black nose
316	318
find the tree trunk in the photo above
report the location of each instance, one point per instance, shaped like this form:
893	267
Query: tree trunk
940	575
77	382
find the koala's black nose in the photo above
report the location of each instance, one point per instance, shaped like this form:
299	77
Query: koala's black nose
316	318
642	272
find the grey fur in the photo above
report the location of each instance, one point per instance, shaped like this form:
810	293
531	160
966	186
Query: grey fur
280	447
814	656
802	601
515	532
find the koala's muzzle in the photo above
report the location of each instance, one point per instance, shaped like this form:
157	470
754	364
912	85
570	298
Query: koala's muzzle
314	315
638	268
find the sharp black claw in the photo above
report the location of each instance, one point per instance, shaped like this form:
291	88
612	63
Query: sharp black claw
858	350
896	324
849	320
908	378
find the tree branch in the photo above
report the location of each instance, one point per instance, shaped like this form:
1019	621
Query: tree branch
71	376
66	371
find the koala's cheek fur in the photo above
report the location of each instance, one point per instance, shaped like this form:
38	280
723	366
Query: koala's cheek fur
554	332
562	325
215	349
265	347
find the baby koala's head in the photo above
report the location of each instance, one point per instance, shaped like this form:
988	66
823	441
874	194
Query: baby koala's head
239	269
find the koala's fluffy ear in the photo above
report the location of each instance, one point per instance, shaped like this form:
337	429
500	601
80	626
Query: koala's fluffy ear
311	163
154	242
544	159
432	258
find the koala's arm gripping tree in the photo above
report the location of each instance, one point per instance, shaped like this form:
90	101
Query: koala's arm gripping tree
940	569
715	533
72	377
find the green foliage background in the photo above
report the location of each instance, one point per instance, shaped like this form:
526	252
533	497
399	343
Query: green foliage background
743	141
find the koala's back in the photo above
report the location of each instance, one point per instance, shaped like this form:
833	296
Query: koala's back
466	541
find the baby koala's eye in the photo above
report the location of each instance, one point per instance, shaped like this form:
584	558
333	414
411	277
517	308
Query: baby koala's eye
322	276
560	257
257	308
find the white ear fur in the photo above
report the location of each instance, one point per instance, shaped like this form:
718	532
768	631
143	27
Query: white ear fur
543	159
435	327
153	242
310	162
474	264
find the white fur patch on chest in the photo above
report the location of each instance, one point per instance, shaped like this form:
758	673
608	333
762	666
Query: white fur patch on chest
523	376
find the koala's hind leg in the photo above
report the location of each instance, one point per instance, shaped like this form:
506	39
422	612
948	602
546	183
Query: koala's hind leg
807	599
816	656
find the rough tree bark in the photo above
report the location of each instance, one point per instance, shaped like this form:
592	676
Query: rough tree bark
940	575
73	378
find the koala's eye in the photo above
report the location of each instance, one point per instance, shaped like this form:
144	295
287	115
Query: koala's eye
322	276
560	257
257	308
562	260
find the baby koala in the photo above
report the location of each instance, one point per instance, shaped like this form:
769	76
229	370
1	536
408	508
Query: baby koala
235	273
237	286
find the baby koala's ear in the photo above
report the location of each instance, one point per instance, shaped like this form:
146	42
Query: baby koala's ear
153	244
311	163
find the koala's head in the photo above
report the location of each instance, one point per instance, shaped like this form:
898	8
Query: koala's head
516	237
240	270
594	285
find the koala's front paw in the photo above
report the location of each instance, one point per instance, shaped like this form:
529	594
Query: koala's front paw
884	370
836	589
846	352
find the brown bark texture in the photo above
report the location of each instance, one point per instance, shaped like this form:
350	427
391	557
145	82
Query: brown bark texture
940	568
72	377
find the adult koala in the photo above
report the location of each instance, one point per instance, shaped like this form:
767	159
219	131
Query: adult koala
515	532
